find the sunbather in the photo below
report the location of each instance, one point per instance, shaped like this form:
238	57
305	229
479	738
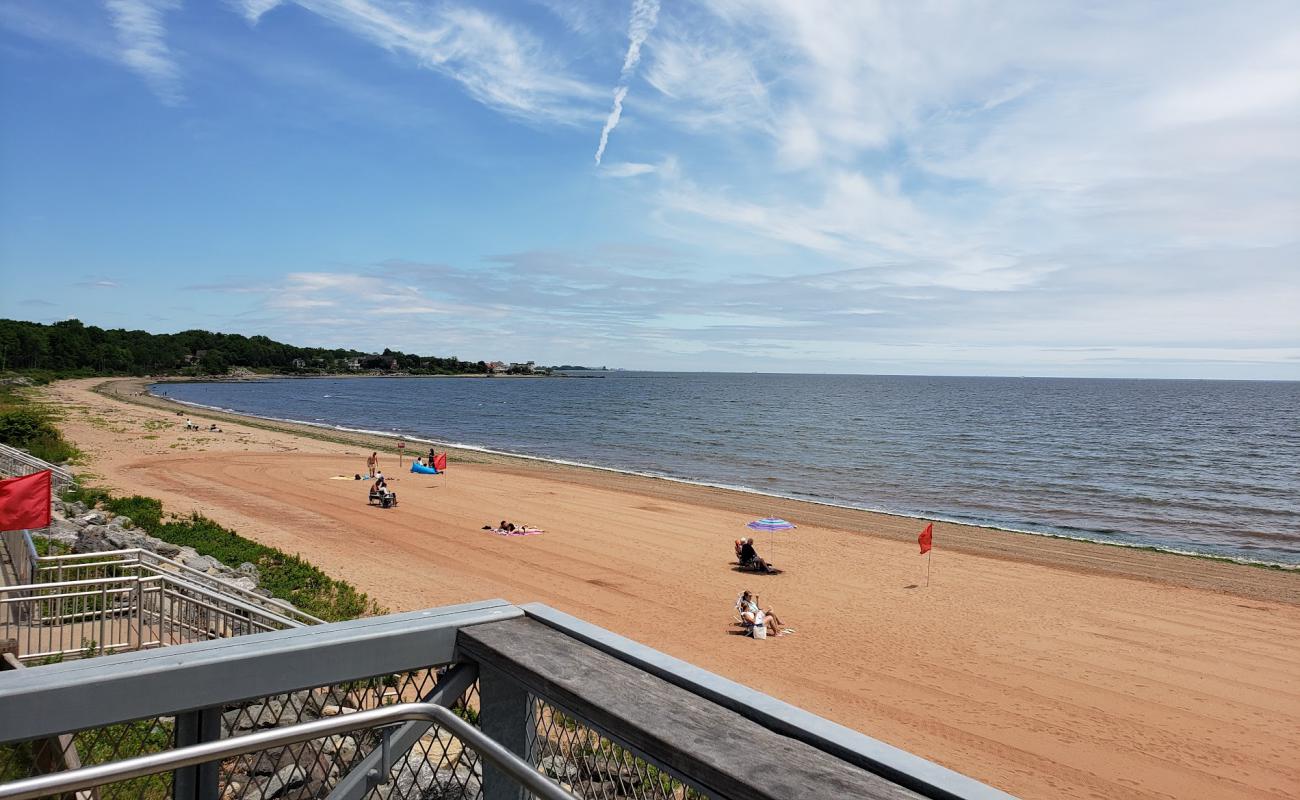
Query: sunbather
748	557
754	614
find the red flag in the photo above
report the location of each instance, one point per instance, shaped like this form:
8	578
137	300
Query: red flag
25	502
440	462
924	538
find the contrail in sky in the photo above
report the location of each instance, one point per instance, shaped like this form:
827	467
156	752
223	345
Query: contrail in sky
645	13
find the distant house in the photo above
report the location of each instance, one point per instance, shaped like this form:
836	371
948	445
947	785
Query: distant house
299	363
354	363
498	367
527	366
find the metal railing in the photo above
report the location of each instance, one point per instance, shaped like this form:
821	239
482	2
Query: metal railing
603	716
15	462
143	563
108	613
22	555
92	777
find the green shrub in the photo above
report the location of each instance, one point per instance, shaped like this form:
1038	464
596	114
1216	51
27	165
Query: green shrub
28	428
85	494
145	512
49	547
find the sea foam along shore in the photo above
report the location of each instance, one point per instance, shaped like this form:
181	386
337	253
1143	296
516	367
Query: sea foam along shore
395	436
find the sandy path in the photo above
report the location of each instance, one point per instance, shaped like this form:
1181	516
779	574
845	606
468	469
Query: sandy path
1047	668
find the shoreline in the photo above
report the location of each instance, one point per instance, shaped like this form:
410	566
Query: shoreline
971	538
468	448
1050	668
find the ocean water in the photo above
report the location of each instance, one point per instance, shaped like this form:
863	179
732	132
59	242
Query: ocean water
1208	467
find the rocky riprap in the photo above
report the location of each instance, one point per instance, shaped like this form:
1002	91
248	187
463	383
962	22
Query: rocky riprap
88	530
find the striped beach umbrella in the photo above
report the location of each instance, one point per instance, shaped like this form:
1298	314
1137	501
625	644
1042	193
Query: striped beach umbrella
771	525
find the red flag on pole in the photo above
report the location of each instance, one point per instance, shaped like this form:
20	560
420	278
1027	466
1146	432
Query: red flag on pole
925	537
440	462
25	502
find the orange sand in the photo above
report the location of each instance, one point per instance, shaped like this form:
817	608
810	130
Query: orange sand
1047	668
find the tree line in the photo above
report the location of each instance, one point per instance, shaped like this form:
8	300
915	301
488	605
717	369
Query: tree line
71	347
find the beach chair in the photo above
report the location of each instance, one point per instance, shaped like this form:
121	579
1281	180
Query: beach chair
382	500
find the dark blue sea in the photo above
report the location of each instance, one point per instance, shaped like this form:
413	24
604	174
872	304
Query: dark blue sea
1208	467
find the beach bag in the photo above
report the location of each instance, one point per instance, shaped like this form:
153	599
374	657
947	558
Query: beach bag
759	630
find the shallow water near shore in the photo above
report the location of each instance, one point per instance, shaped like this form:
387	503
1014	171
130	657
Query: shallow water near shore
1207	467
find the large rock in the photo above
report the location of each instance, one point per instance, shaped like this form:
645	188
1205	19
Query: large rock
164	549
123	538
343	748
93	518
93	539
198	562
124	522
558	767
247	584
279	784
63	532
269	714
250	569
421	778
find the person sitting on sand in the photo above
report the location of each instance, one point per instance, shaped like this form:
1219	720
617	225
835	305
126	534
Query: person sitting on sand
748	557
754	614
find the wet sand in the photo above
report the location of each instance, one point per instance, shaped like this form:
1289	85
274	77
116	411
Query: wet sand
1046	667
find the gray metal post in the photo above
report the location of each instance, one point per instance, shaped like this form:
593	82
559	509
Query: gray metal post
198	782
506	715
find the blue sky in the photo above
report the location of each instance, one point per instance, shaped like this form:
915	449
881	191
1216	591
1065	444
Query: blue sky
953	188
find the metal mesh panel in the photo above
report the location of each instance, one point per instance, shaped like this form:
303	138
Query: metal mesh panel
435	767
593	766
96	746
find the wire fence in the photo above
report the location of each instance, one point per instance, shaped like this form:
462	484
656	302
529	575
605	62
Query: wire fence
437	765
594	766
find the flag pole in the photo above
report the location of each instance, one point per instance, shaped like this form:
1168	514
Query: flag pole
928	555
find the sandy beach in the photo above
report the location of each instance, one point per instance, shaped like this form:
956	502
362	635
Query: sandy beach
1048	668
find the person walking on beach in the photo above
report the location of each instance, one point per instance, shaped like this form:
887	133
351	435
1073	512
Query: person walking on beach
431	455
372	464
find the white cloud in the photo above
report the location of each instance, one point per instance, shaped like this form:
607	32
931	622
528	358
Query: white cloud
611	122
254	9
499	64
644	15
141	37
626	169
708	84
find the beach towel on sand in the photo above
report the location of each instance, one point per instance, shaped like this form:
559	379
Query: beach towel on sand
516	531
